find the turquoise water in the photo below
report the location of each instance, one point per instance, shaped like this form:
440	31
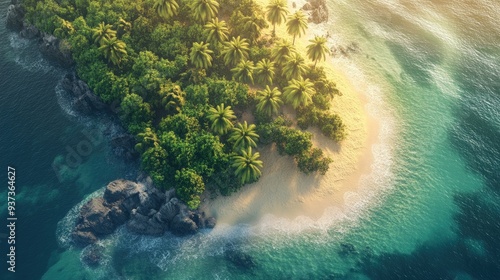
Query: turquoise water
430	71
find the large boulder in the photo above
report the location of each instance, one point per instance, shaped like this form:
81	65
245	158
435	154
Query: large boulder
182	225
123	146
83	237
15	17
121	189
94	217
84	100
56	50
168	211
142	224
29	31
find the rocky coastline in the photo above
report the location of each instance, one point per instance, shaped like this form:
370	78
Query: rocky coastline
318	10
142	208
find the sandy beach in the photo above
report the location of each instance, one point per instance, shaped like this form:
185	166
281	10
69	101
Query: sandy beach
283	190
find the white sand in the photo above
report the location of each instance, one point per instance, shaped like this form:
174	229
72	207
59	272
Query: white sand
283	190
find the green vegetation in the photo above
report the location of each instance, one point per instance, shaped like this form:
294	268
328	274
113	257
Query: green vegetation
182	78
296	25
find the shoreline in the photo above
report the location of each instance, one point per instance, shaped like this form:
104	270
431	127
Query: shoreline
283	191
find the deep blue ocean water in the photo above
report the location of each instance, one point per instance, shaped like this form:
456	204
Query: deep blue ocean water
433	208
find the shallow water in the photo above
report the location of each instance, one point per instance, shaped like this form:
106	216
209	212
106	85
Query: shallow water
431	73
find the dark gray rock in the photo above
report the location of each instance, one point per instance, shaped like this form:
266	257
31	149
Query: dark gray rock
123	146
92	255
142	207
117	215
168	211
56	50
169	194
120	190
83	237
182	225
15	17
84	100
94	217
29	31
210	222
141	224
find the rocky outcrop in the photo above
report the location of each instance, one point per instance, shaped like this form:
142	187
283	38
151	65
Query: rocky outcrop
123	146
318	9
56	50
92	255
29	31
142	207
84	100
15	17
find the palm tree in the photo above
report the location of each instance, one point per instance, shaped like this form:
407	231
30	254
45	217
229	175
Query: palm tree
269	101
235	50
221	118
146	139
113	49
294	66
299	92
281	50
201	55
166	8
243	71
276	13
244	136
253	25
296	25
264	71
317	50
247	165
204	10
217	31
103	31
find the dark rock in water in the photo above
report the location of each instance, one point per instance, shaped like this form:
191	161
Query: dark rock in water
347	249
120	189
240	259
95	217
142	207
82	237
92	255
168	211
15	17
85	101
123	146
141	224
29	31
182	225
117	215
56	50
210	222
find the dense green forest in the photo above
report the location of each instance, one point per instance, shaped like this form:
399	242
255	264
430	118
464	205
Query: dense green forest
183	72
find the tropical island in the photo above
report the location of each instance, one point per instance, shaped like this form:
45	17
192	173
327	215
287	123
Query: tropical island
202	86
